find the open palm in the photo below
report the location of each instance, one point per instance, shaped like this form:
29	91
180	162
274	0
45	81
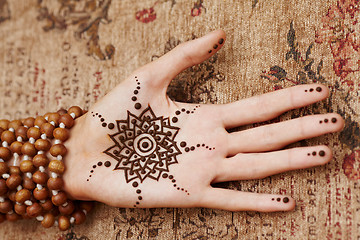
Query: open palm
137	148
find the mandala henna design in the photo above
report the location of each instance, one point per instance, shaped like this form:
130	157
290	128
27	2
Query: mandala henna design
145	145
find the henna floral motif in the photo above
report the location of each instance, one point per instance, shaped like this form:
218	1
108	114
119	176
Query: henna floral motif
144	146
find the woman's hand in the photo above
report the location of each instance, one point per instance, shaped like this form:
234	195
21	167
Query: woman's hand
138	148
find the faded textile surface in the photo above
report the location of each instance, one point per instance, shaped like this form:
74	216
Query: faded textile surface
56	54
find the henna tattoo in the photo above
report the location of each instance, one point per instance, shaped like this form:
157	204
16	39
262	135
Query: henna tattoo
285	199
318	89
215	46
321	153
333	120
145	145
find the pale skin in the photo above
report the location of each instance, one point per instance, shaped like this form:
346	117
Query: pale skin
249	154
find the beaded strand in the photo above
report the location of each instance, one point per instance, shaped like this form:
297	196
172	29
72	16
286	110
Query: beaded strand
26	189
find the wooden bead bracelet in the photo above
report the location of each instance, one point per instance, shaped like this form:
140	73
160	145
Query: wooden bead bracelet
26	189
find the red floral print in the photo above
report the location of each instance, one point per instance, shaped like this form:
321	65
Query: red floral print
146	15
196	10
351	165
341	29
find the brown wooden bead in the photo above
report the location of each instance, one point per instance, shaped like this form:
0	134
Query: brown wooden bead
21	132
4	123
40	177
8	136
61	133
67	120
2	217
54	117
40	160
13	181
77	110
34	210
15	147
61	111
59	199
58	149
20	209
68	209
3	187
3	168
57	166
15	124
79	216
6	206
64	223
48	221
14	170
29	122
22	195
47	205
42	145
86	205
5	154
27	166
39	120
40	194
48	129
46	116
1	131
28	149
28	183
33	132
12	217
55	183
12	195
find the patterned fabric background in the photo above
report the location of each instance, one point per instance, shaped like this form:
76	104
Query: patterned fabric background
59	53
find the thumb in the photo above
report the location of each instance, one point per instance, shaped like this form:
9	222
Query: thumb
161	71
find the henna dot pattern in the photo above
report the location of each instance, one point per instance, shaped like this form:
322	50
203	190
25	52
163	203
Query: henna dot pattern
321	153
285	199
99	164
178	113
318	89
134	98
103	122
333	120
215	46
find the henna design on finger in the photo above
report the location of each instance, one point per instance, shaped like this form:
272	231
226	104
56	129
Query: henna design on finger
321	153
215	46
333	120
318	89
285	199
